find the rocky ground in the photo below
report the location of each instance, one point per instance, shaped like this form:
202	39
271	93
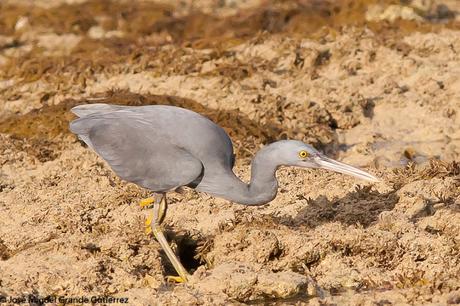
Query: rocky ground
372	83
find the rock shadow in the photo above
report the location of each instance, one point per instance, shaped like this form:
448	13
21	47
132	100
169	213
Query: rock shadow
360	207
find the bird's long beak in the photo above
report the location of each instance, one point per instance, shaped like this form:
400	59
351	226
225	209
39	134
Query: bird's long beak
330	164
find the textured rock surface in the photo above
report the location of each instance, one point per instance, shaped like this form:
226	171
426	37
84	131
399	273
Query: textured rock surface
377	94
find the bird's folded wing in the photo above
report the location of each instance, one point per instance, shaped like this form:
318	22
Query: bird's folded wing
137	152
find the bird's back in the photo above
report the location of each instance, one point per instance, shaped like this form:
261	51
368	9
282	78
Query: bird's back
171	138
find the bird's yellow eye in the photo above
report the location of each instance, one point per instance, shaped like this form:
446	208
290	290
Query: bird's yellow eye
303	154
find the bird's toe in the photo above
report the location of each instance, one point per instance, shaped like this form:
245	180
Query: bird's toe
148	224
175	279
146	202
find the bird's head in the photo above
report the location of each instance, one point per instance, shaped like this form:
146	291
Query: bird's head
298	154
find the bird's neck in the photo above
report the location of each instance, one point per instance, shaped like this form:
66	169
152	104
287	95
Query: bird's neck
262	187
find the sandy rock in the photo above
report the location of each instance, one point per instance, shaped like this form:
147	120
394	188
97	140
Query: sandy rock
281	284
235	280
240	282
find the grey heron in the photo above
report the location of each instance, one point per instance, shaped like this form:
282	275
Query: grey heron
162	148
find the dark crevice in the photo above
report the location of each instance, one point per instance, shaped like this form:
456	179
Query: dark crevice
187	251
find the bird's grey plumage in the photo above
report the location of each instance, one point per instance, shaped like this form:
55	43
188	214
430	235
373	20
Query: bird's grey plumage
158	147
163	147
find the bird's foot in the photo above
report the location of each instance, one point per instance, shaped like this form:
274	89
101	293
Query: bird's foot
175	279
146	202
148	224
148	221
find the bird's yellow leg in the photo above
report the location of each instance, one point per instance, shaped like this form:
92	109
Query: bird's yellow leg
159	211
162	209
161	200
